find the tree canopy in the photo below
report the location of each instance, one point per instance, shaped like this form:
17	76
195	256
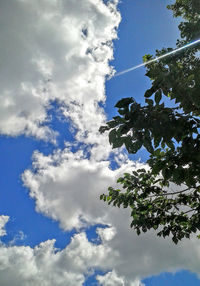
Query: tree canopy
166	195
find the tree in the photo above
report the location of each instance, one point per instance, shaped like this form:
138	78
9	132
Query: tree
170	134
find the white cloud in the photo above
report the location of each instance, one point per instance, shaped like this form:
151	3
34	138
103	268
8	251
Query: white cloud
62	180
54	50
106	234
44	265
110	279
20	236
3	220
66	187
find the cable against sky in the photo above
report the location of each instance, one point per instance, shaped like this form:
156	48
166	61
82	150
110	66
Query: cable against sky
158	58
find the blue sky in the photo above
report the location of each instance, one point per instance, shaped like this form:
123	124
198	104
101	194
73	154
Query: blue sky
54	163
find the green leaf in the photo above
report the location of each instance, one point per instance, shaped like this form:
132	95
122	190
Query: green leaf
102	129
112	123
124	102
146	58
148	93
138	232
112	136
117	143
175	239
158	96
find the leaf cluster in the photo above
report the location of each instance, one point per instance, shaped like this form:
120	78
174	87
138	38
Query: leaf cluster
171	135
189	10
153	206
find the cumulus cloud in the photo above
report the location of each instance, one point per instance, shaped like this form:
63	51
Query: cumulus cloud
54	51
44	265
66	187
110	279
60	181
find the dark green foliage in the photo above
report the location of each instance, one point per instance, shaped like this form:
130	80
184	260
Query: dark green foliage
170	134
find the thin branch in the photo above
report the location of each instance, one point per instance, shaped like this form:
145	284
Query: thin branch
167	194
192	210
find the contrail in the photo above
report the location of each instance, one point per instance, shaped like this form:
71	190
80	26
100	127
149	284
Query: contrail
158	58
